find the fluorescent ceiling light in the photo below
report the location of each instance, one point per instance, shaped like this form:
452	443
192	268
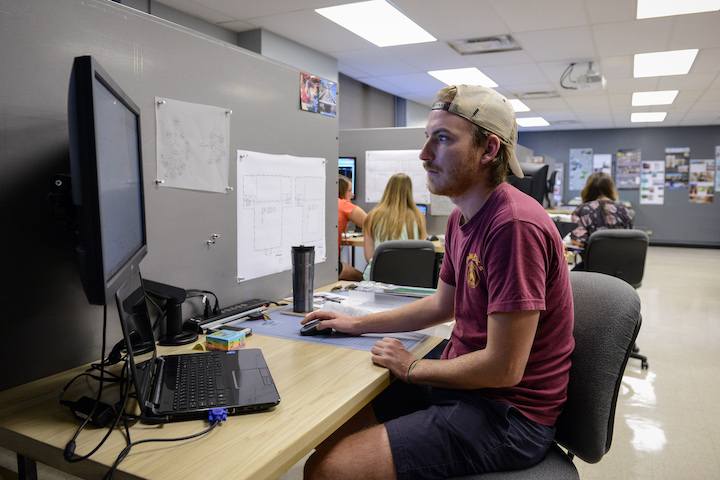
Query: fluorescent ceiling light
666	8
532	122
467	76
518	105
642	117
676	62
665	97
377	22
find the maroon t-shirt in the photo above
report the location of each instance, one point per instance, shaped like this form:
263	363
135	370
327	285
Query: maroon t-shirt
509	257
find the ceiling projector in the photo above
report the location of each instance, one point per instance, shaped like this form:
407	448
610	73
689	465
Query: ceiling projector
590	80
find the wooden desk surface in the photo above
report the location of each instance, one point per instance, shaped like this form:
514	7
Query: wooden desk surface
320	386
357	241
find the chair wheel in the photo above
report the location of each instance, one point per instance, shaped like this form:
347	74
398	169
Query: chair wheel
644	365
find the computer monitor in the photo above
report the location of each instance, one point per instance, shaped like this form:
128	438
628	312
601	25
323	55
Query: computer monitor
423	208
107	189
346	167
534	183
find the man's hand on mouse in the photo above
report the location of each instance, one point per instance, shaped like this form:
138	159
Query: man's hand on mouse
341	323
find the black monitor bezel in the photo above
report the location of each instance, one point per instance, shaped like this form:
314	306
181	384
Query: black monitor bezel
85	180
534	182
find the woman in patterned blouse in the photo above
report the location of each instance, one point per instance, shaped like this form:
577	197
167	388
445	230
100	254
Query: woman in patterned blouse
600	209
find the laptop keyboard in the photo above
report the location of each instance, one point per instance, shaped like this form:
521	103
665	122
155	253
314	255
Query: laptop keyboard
199	382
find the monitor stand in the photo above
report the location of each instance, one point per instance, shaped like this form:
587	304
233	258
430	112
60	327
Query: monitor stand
174	297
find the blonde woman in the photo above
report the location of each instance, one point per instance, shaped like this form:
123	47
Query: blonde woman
396	217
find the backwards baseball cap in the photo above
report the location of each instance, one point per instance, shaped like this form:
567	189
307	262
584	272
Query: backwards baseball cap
489	110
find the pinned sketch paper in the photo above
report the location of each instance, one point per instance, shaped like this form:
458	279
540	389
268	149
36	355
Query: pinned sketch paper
380	165
280	204
193	145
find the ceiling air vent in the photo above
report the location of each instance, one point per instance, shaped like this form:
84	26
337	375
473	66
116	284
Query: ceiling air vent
473	46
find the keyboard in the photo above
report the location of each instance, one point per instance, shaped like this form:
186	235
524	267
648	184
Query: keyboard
199	382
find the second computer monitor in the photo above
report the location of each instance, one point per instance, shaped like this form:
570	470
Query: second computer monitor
346	167
534	182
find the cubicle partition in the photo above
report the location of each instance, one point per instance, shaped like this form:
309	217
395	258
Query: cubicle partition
47	323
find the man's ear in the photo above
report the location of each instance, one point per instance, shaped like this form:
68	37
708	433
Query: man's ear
492	146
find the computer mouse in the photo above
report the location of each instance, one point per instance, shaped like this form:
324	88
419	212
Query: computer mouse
432	238
310	328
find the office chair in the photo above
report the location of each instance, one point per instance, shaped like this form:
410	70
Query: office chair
405	262
607	321
620	253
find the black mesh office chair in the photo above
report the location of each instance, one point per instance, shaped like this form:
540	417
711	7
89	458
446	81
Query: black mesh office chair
607	321
405	262
620	253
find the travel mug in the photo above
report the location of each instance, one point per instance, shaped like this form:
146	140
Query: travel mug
303	264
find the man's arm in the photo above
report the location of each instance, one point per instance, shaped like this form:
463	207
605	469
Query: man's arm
426	312
500	364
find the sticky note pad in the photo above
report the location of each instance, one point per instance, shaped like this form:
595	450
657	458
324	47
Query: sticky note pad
225	340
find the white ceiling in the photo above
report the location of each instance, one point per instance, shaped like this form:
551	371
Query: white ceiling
552	34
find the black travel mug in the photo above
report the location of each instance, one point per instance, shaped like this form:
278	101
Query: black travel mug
303	264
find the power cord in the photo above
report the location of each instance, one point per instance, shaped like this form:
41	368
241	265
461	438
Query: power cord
206	301
70	447
215	417
566	74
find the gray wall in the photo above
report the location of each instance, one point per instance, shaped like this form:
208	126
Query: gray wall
363	106
677	222
47	324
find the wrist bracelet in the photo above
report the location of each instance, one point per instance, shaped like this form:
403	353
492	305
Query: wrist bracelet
412	365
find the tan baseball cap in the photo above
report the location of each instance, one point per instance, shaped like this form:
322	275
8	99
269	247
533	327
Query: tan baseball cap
489	110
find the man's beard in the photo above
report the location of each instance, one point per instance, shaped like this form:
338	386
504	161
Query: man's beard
458	178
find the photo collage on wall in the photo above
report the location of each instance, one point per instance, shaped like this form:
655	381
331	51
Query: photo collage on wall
627	169
677	167
318	95
702	181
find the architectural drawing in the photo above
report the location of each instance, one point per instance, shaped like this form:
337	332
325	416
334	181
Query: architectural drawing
281	204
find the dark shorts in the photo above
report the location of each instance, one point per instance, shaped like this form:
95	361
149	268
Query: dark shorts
439	433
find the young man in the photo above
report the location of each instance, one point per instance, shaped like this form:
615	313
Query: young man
490	403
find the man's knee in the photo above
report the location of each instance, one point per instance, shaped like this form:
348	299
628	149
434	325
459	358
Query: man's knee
363	455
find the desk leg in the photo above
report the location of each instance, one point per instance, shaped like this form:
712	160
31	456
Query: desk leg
27	468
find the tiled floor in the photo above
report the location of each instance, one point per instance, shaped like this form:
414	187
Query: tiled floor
667	424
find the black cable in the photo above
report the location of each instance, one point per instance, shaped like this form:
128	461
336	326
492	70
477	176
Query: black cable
70	447
162	312
111	473
566	74
216	309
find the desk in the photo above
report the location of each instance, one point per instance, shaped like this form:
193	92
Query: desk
357	241
321	387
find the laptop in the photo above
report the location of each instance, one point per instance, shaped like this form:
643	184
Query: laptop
237	380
